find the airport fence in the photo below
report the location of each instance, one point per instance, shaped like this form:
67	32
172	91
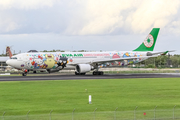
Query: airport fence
154	114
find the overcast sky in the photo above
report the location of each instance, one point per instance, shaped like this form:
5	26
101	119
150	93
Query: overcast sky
88	24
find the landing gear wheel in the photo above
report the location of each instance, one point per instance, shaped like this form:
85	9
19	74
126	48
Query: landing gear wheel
76	73
101	73
34	71
24	74
94	73
98	73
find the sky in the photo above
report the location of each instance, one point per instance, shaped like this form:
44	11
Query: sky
92	25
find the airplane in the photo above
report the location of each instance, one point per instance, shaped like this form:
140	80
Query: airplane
84	62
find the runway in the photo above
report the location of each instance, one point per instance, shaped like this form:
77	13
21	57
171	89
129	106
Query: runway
86	77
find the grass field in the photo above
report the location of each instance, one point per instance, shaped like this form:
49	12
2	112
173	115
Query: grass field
40	97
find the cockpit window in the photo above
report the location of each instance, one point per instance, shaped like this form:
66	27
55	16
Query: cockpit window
13	57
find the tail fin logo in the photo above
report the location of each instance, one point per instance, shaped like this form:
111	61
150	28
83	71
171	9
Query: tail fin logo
149	41
8	52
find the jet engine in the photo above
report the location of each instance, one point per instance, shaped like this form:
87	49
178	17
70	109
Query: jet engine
83	68
149	54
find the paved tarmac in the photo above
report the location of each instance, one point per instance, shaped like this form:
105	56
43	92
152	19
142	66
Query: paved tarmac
82	77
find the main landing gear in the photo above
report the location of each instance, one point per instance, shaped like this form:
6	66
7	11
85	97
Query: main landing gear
76	73
94	73
98	73
24	72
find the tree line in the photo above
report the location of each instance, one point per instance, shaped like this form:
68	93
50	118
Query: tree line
162	61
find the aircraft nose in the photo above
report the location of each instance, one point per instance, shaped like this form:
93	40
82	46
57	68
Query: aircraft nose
9	62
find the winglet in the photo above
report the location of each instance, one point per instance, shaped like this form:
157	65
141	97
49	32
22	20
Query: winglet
167	52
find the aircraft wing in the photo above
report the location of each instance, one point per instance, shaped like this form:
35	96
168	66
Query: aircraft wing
5	67
119	59
162	53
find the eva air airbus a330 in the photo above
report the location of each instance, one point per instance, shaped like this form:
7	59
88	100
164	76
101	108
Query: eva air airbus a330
84	62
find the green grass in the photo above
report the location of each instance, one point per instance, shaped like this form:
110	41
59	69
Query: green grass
141	71
17	98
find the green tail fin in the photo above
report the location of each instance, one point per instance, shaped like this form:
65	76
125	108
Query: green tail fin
150	41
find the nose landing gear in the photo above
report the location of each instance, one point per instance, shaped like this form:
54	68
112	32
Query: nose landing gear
24	73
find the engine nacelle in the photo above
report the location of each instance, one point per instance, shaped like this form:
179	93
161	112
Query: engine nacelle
149	54
83	68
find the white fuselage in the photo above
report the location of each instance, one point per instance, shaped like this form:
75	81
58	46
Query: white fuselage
43	60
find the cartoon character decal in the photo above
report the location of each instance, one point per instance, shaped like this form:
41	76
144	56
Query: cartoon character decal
126	55
49	61
44	66
62	61
115	56
33	62
40	57
57	59
136	60
71	60
45	61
